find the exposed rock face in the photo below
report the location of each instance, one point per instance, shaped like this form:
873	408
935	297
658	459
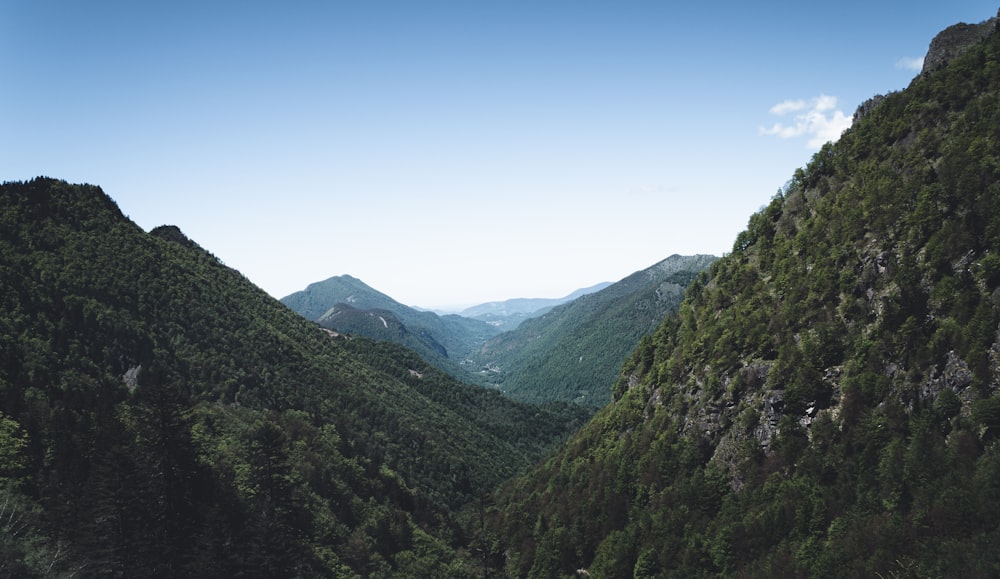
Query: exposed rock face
947	45
953	41
867	107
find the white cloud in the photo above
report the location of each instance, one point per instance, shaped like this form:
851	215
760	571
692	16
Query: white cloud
817	118
783	108
825	103
910	63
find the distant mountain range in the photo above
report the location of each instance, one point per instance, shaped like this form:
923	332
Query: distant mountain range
508	314
825	402
346	304
448	341
557	350
574	352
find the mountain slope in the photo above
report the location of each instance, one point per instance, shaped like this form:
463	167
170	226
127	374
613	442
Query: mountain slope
161	416
347	304
574	352
319	297
826	401
509	314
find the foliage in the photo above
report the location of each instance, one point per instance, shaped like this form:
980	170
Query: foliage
161	416
824	403
348	305
574	352
567	353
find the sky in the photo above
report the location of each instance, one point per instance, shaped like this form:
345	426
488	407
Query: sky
445	153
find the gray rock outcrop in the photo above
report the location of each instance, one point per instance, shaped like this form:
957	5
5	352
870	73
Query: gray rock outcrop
953	41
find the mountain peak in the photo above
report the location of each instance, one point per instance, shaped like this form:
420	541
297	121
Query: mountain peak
289	453
174	234
676	263
955	40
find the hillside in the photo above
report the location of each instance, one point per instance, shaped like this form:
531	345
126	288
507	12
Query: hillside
827	400
574	352
508	314
319	297
346	304
162	416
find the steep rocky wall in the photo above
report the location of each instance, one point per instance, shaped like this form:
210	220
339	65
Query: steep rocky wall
953	41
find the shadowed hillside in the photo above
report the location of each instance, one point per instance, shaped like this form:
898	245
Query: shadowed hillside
161	416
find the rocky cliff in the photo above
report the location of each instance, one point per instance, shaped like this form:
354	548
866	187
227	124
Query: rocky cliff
953	41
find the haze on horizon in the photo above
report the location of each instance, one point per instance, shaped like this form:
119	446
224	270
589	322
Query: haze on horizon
445	153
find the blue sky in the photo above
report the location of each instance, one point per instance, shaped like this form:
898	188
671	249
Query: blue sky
445	152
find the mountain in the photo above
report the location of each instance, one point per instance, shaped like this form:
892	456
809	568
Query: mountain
951	42
826	402
573	353
161	416
381	325
347	304
508	314
319	297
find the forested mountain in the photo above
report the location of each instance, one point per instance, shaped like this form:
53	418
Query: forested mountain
346	304
509	314
160	416
319	297
574	352
826	403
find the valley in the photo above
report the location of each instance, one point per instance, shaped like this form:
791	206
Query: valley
565	350
823	400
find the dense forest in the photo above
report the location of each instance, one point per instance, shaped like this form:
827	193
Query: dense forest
508	314
160	416
566	353
573	352
346	304
827	400
824	402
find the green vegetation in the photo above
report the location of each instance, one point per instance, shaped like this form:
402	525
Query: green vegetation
161	416
574	352
825	402
570	353
348	305
508	314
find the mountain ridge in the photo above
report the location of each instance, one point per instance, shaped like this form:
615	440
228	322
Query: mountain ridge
444	340
953	41
573	352
826	402
531	368
508	314
162	416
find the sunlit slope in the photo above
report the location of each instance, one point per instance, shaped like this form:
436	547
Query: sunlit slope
574	352
826	401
